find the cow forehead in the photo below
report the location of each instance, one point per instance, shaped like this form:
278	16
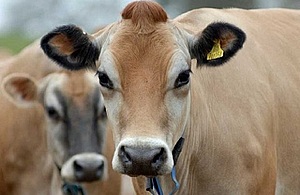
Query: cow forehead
76	83
142	56
76	86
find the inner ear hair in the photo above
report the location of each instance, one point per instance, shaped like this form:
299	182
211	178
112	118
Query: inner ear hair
226	39
20	88
62	44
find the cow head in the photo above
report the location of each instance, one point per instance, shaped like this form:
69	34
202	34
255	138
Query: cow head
75	119
144	67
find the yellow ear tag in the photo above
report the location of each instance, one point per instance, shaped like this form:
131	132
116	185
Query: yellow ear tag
216	51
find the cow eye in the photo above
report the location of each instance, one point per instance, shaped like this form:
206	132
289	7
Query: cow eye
182	79
52	113
104	80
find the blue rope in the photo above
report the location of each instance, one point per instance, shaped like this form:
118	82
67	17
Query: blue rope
153	182
157	186
177	185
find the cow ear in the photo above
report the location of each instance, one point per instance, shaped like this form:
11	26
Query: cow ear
71	47
217	43
21	89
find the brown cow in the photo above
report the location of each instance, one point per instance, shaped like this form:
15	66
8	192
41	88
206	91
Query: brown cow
160	80
74	125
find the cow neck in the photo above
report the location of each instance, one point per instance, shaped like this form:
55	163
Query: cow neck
153	184
70	188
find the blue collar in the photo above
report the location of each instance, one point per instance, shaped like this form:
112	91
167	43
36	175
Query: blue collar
153	183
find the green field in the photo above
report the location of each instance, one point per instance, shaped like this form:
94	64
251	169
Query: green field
14	42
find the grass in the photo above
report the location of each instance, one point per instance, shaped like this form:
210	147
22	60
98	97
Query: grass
14	42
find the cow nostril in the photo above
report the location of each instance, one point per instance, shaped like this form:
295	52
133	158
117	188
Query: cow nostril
125	155
99	170
159	157
77	166
100	167
78	169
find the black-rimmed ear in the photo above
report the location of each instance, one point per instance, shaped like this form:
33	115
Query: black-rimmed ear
71	47
217	43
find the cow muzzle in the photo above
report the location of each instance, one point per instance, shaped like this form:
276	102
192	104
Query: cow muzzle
86	167
143	156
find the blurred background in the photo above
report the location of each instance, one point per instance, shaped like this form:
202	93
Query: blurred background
22	21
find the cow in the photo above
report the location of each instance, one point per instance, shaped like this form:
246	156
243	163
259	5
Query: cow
17	149
224	80
53	130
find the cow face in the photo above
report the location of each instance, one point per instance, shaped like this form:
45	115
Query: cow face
144	71
75	120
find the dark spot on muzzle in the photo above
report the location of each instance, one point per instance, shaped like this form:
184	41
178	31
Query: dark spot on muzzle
142	161
88	171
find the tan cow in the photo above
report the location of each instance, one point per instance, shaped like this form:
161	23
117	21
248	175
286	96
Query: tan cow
15	152
74	125
161	78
